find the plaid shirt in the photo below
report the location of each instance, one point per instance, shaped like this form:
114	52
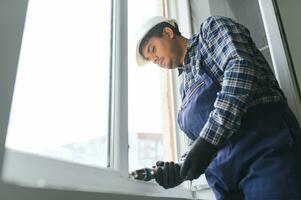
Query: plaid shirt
227	50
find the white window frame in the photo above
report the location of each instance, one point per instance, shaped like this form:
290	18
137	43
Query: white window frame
279	53
68	180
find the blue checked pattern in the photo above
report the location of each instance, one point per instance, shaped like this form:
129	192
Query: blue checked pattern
225	48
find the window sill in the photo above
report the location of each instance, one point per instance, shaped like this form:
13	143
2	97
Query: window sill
204	193
29	170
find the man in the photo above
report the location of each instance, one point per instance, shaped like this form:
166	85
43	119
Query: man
245	138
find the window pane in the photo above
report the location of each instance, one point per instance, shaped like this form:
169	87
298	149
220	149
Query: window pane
60	102
149	130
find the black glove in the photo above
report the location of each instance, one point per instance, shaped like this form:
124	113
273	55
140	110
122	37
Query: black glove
168	174
198	159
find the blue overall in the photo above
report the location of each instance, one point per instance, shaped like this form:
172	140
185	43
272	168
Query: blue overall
262	160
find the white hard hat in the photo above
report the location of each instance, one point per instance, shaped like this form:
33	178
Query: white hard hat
144	29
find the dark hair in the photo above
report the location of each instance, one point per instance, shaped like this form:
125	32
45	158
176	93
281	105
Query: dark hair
157	31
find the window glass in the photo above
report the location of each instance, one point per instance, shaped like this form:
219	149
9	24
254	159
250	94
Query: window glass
61	97
150	123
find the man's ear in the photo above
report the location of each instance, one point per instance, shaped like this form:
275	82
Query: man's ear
168	32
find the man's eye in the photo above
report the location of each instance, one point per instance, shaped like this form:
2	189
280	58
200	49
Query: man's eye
152	49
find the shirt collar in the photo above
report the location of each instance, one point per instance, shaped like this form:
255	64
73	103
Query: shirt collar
191	42
180	70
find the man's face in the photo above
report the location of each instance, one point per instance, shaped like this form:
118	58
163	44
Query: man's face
163	51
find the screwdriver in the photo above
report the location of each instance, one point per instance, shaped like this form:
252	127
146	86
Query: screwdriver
147	174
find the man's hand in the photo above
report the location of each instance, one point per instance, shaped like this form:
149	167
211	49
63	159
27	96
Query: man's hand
198	159
168	174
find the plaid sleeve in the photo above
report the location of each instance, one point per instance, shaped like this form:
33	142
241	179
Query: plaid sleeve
232	50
